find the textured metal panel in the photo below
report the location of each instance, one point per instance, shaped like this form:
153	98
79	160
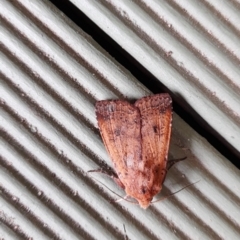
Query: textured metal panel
51	74
192	47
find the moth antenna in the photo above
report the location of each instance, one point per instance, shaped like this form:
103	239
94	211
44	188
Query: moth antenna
121	198
171	194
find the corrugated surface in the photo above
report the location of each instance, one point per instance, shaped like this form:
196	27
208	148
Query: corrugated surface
51	74
192	47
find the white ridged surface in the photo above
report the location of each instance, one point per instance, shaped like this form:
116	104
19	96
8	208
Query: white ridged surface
192	47
51	74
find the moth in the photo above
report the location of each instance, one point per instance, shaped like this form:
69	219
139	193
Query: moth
137	138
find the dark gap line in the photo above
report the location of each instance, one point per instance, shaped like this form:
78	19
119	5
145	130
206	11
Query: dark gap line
146	78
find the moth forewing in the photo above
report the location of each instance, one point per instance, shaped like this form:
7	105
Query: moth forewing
119	124
156	117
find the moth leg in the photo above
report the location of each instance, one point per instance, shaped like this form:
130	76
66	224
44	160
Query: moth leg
121	199
110	174
170	163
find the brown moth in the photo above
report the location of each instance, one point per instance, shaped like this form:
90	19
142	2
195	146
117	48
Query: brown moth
137	139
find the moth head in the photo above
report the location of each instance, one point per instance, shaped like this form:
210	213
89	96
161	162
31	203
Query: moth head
144	203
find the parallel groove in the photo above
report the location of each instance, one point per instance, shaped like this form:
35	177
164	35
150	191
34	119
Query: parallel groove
51	74
48	173
182	38
192	47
